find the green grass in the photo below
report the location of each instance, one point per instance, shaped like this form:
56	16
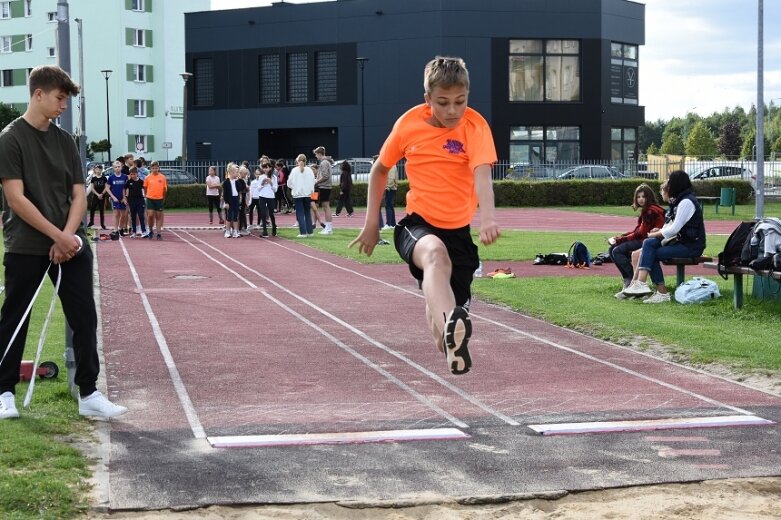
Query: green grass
41	474
742	212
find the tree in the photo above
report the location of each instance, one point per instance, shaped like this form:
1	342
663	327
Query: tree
700	142
748	152
100	146
729	141
7	114
652	150
673	144
650	133
776	148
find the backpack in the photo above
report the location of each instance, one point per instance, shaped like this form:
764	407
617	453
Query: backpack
697	290
737	249
550	259
578	256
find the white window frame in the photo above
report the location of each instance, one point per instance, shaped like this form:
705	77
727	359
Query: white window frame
5	44
2	76
139	73
5	10
139	37
28	42
138	5
28	8
51	52
51	16
139	108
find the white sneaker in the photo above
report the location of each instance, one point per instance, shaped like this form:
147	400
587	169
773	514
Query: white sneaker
637	288
227	234
621	296
386	227
658	298
234	234
327	231
301	236
96	405
8	406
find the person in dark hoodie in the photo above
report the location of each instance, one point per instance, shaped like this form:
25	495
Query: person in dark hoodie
683	236
345	190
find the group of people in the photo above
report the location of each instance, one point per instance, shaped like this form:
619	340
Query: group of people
137	196
677	233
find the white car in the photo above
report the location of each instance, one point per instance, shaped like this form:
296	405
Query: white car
360	167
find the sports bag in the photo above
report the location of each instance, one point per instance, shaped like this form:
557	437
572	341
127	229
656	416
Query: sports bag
578	256
737	248
550	259
697	290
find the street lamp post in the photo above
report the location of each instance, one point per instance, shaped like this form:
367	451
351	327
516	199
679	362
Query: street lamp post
107	75
362	63
185	76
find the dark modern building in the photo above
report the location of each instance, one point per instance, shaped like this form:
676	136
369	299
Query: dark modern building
556	79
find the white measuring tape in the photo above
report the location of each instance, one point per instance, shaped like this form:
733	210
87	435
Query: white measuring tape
42	339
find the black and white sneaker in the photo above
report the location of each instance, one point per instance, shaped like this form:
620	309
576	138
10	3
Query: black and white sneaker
458	329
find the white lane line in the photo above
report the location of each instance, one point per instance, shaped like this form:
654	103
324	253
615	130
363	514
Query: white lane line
552	343
336	341
453	388
308	439
176	379
652	424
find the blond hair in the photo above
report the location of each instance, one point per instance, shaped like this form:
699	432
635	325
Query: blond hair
300	157
445	72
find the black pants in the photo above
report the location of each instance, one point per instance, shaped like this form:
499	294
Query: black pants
214	202
622	257
283	202
266	210
23	273
242	211
137	210
99	204
256	203
346	201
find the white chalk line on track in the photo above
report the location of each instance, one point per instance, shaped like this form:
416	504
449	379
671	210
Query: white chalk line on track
540	339
176	379
458	391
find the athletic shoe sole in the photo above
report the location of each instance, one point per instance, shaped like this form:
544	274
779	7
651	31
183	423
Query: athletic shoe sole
458	330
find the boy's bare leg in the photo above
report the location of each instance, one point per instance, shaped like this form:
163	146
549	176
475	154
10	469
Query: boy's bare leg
159	217
430	255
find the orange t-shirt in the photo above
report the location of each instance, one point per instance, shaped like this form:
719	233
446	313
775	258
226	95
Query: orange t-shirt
155	186
440	164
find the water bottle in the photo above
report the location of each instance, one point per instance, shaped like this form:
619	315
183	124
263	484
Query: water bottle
479	270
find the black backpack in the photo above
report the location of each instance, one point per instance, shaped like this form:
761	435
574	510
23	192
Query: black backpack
737	250
579	256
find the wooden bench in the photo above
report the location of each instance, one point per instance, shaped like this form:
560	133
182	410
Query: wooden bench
681	263
737	273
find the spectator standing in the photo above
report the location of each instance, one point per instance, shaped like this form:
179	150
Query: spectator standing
267	193
283	202
156	187
134	194
143	171
98	196
244	195
44	203
254	190
323	187
116	190
233	189
390	198
302	184
213	185
345	190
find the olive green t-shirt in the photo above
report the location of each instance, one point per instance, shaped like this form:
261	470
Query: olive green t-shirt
48	164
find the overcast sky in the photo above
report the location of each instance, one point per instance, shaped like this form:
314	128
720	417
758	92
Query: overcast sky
699	55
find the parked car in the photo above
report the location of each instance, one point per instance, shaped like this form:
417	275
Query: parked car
174	176
717	172
594	171
361	167
518	171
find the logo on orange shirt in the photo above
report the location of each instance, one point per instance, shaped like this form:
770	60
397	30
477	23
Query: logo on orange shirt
454	146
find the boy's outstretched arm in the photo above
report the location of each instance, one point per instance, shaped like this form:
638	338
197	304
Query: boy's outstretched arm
489	230
370	234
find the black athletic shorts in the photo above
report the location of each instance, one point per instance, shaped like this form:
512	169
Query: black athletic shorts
460	248
324	196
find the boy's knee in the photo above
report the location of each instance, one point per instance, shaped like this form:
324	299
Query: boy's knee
434	255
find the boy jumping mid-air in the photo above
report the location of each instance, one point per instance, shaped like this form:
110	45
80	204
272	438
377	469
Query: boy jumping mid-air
449	150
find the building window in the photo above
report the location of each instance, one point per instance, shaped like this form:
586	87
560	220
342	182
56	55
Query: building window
5	44
532	145
51	52
28	42
269	78
138	37
297	78
141	144
623	144
623	74
137	5
7	78
139	73
325	76
544	70
203	84
139	108
51	16
5	10
28	8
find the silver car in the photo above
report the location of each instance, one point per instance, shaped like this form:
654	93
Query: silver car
594	171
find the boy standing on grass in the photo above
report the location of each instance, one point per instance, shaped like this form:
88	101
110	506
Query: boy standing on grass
43	188
155	186
449	150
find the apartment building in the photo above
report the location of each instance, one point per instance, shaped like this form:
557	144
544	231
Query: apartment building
141	43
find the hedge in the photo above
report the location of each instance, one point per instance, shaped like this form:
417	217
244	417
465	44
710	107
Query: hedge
513	193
